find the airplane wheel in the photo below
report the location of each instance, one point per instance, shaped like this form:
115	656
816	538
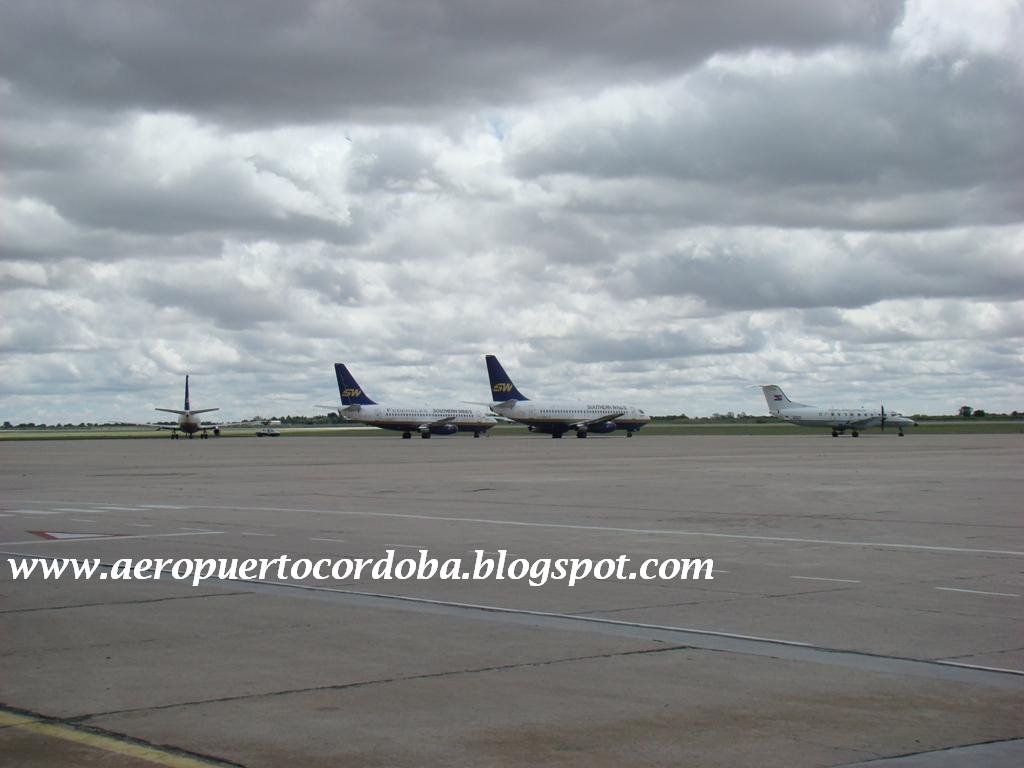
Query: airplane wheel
476	434
581	434
556	435
190	437
856	433
425	435
629	434
834	433
406	436
901	434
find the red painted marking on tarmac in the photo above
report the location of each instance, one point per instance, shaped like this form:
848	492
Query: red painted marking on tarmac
65	535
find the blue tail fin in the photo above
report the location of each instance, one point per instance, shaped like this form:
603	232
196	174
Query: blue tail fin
351	392
187	406
502	387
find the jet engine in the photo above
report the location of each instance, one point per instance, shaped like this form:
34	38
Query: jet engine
444	429
603	427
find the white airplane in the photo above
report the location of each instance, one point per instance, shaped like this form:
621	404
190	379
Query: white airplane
428	421
188	420
561	417
838	419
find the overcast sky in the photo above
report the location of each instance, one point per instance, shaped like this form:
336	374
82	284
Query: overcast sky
663	202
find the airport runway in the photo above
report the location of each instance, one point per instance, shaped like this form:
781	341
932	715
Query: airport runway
868	603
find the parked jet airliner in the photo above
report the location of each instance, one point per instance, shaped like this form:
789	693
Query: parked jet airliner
188	420
839	419
356	406
558	418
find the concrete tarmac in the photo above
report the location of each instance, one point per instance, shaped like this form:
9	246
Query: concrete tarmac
867	602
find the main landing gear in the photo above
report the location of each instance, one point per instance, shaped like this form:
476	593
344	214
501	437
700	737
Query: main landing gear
425	435
406	436
581	433
556	435
834	433
856	433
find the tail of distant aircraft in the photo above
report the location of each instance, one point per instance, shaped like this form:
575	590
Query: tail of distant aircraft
502	388
348	387
776	398
188	406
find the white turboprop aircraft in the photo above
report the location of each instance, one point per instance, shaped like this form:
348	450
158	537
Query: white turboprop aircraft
188	420
428	421
558	418
838	419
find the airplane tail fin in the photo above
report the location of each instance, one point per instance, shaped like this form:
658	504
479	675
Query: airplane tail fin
502	388
187	407
348	387
776	398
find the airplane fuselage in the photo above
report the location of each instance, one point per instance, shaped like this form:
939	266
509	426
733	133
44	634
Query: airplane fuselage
403	418
840	419
188	423
559	417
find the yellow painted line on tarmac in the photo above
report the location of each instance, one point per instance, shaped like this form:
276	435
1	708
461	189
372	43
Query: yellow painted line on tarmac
150	754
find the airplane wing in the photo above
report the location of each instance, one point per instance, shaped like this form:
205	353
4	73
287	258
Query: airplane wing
154	426
598	420
441	422
867	421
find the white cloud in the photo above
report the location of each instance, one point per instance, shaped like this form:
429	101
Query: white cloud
812	193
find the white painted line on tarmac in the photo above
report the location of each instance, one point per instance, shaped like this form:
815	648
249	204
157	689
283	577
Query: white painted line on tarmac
111	538
36	512
408	546
80	520
141	525
6	514
607	529
821	578
162	506
611	529
312	539
977	592
75	509
244	533
201	530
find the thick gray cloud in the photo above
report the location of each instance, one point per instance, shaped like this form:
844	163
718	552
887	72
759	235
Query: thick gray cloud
669	201
248	62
